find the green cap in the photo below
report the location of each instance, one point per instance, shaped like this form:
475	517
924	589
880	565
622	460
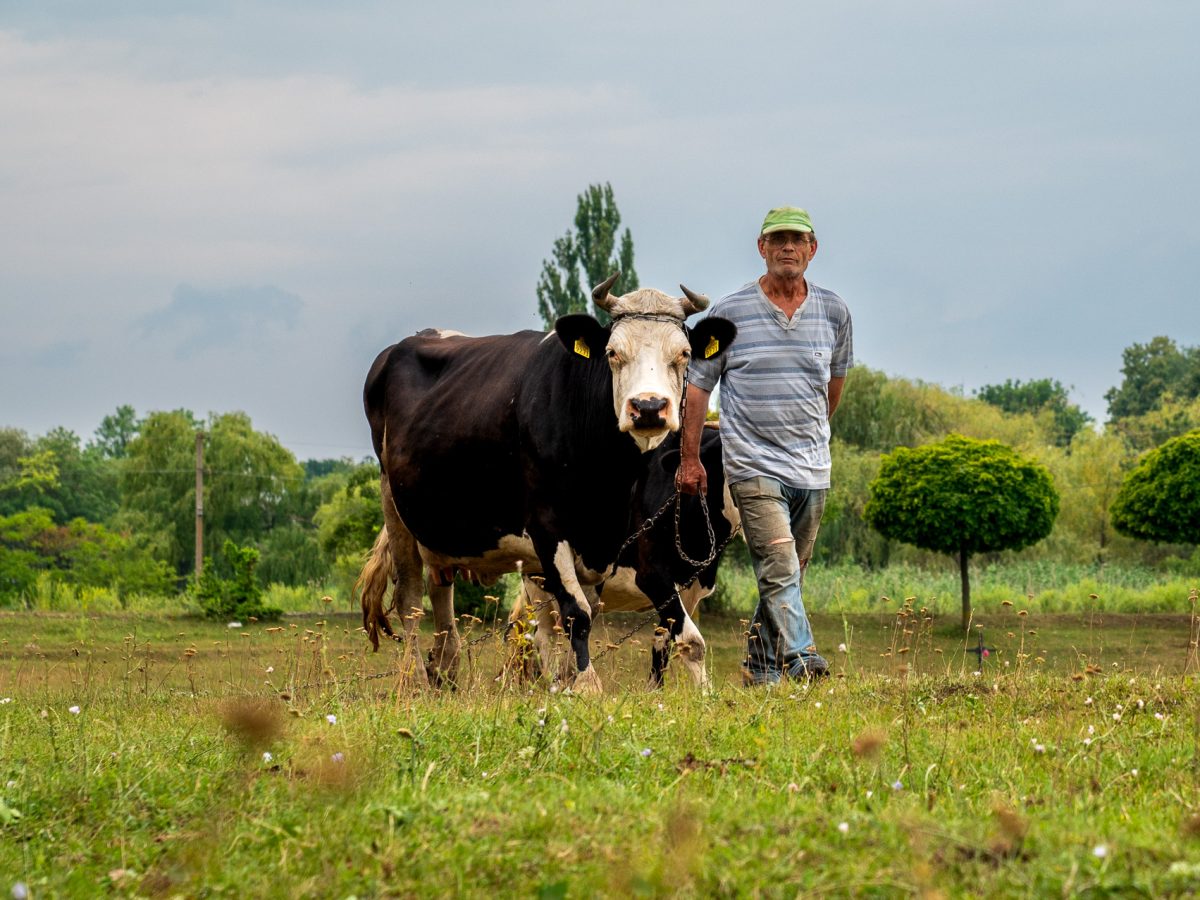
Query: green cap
787	218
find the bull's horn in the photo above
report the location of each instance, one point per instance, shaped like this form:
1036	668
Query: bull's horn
694	303
600	293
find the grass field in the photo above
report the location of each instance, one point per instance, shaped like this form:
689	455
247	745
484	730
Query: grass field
168	756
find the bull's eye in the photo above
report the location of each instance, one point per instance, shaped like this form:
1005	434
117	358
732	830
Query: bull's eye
614	357
683	358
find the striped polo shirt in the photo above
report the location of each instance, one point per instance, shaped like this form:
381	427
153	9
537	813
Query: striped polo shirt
775	384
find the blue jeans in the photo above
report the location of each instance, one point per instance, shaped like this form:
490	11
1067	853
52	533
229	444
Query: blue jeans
780	524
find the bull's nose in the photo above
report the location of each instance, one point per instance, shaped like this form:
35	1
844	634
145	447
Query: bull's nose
647	412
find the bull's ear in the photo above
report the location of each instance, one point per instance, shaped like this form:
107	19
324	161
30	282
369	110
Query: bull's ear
582	335
711	337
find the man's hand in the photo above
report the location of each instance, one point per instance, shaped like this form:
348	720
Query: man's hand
691	477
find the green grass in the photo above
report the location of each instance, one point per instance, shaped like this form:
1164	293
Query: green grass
1009	780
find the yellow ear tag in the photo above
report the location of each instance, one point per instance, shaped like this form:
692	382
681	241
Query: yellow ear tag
712	347
582	349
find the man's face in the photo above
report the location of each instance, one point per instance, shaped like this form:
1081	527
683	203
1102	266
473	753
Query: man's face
787	253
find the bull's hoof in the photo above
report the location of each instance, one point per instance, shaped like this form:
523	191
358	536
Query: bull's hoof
587	682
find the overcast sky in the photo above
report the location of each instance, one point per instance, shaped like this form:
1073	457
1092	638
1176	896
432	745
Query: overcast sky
235	206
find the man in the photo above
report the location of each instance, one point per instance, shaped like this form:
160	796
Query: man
780	381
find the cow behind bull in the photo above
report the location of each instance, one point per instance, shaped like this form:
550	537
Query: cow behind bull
520	452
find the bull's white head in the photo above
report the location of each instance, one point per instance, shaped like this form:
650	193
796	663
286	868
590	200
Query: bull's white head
648	350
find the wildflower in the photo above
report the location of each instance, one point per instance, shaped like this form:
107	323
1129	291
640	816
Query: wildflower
1159	716
331	719
1039	748
817	704
564	728
554	688
844	827
20	891
5	700
234	625
267	757
1141	704
1087	702
976	673
1133	772
1116	717
646	753
842	648
897	785
1100	851
270	669
73	710
1087	742
870	794
338	758
1091	729
541	723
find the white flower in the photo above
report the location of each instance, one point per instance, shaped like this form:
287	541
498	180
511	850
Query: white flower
10	785
1133	772
5	700
73	710
1039	748
1100	851
337	758
817	704
267	757
1116	717
1087	702
1159	716
1141	704
554	688
1087	742
844	827
1091	729
234	625
870	794
646	752
331	719
842	649
541	723
19	891
270	669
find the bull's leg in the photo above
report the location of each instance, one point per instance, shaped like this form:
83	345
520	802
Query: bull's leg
407	600
675	628
443	659
576	612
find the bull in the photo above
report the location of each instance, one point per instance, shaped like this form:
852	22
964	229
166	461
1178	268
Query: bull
520	452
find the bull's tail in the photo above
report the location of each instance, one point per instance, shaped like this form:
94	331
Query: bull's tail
372	585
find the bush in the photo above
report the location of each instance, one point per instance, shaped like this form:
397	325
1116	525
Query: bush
238	597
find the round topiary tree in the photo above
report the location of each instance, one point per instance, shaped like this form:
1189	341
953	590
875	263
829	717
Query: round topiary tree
962	496
1160	498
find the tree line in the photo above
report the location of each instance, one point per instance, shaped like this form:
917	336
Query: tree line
117	510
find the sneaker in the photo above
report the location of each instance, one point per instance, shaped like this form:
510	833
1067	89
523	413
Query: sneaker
812	665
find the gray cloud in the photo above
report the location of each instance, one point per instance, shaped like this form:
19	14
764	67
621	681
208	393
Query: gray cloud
197	320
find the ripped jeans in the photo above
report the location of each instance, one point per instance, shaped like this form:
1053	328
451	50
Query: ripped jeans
780	524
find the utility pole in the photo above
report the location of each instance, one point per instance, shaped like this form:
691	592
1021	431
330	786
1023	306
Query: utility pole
199	503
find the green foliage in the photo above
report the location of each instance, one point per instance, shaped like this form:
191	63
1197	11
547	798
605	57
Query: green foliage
1152	371
1171	418
962	496
349	521
238	595
1160	499
79	553
1036	396
589	252
291	556
111	440
249	484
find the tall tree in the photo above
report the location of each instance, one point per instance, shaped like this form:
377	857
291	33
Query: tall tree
1037	396
115	432
961	497
1150	372
586	256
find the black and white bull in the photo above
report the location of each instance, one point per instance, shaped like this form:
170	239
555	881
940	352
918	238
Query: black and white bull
652	573
521	452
